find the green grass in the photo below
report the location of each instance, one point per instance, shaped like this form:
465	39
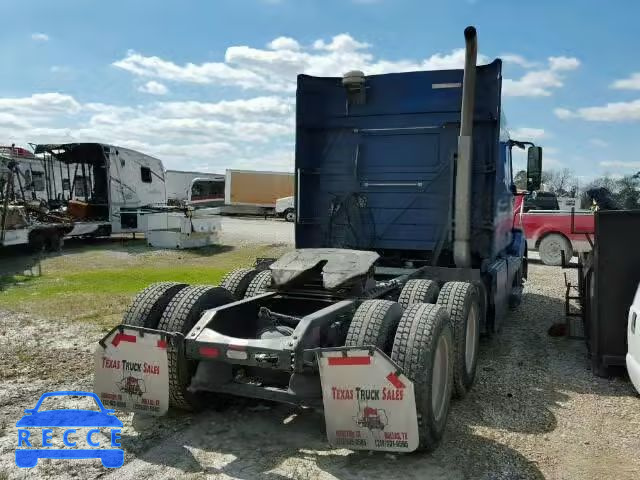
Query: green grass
95	296
96	287
106	281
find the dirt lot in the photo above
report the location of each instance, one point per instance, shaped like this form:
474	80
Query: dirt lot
536	410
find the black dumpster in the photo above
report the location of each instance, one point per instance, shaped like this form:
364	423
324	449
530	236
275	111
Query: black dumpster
612	274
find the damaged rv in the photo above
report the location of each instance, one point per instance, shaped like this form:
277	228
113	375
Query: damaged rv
113	190
118	190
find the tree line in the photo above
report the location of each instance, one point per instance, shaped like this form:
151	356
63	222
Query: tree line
617	192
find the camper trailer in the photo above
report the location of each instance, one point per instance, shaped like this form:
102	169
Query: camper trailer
114	189
37	177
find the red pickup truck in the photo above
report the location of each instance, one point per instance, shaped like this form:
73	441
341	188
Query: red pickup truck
551	231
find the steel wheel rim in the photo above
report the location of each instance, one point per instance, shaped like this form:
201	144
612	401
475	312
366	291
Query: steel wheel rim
554	250
440	378
290	216
471	346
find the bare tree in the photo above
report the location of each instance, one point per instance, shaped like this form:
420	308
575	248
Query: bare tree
623	192
561	182
520	180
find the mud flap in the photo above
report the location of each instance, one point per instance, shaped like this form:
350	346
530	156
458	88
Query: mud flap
369	404
131	371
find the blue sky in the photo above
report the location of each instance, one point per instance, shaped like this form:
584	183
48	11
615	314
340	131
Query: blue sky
209	84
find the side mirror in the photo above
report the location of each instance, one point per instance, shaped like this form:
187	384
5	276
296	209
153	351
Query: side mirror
534	168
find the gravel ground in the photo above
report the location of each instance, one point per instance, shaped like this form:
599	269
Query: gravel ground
536	411
246	231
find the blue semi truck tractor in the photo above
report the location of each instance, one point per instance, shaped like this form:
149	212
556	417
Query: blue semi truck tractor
405	253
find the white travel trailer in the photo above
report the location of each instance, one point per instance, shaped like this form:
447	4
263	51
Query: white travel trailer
114	189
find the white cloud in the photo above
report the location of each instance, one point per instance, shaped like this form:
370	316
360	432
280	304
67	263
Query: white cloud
246	133
563	113
254	132
611	112
598	142
631	83
518	60
527	133
619	164
284	43
9	120
210	72
541	82
40	104
39	37
275	68
563	63
340	43
154	88
455	59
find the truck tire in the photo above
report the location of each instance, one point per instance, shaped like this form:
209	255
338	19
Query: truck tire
418	291
423	349
182	313
374	323
550	248
148	305
289	215
462	301
259	284
237	281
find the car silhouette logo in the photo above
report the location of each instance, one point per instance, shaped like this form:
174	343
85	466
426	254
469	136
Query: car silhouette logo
69	418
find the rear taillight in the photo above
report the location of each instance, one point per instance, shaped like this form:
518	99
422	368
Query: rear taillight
209	352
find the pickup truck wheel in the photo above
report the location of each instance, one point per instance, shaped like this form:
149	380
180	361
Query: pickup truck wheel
418	291
423	349
259	284
148	305
237	281
182	313
463	304
374	323
290	215
550	249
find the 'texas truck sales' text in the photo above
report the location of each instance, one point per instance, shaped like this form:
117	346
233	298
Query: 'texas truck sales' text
127	366
358	393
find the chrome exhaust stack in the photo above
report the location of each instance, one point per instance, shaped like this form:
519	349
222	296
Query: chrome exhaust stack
464	169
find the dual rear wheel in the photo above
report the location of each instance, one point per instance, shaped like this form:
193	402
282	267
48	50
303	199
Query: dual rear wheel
434	344
177	307
432	335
